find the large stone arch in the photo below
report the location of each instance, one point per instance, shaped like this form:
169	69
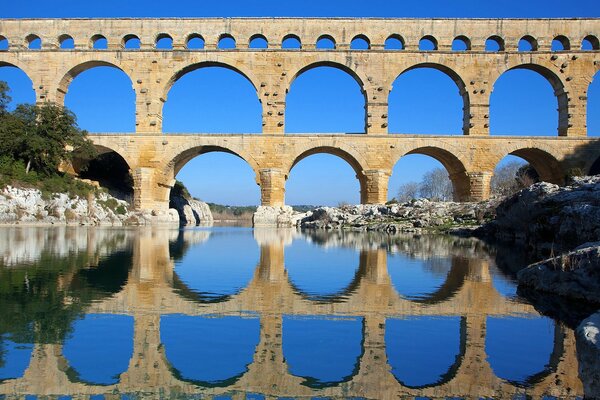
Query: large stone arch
181	71
558	85
456	78
23	67
543	161
69	75
356	75
457	170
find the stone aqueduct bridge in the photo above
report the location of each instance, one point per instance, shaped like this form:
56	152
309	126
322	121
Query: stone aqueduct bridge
153	289
155	158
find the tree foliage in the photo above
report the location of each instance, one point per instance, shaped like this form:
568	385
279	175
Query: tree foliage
40	137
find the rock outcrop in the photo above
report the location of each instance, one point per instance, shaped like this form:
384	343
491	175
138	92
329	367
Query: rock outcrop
191	211
282	217
410	217
29	206
588	355
549	218
575	274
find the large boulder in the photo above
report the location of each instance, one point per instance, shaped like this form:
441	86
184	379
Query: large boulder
575	274
191	211
282	217
588	355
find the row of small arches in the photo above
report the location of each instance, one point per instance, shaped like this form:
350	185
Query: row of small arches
195	41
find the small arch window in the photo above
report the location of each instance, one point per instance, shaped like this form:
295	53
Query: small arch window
99	42
291	42
461	43
590	42
494	43
258	42
226	42
428	43
195	42
164	42
131	42
561	43
394	42
528	43
66	42
325	42
34	42
3	43
360	42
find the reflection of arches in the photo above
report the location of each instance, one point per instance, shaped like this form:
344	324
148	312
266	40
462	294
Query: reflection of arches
557	87
453	75
498	326
450	372
315	345
545	164
237	341
461	183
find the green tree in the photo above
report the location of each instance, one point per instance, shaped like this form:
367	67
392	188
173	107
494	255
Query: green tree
4	97
42	136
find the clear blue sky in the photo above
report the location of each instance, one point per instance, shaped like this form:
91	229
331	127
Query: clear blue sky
522	102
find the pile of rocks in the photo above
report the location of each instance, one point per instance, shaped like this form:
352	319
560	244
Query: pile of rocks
415	216
29	206
191	211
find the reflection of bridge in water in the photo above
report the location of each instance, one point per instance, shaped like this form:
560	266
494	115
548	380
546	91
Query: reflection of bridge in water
153	289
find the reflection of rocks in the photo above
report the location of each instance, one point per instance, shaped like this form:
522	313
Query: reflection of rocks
548	217
268	236
284	217
575	274
410	217
193	237
588	354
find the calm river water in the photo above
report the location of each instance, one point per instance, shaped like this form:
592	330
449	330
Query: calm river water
254	314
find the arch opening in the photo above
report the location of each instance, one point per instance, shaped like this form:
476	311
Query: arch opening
66	42
227	344
95	90
98	42
291	42
512	174
360	42
428	43
20	86
131	42
258	42
164	41
325	164
110	170
560	43
195	41
590	42
494	44
528	100
418	91
338	344
593	106
33	42
545	166
461	43
325	42
226	42
394	42
225	101
528	43
425	351
3	43
325	98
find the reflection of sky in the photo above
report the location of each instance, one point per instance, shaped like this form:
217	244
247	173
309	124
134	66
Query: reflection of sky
421	350
100	347
414	278
324	349
518	348
223	265
209	349
14	358
319	271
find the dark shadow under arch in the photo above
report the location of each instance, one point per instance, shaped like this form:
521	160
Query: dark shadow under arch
547	167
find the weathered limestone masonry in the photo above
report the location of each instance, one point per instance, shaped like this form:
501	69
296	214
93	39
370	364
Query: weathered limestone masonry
155	158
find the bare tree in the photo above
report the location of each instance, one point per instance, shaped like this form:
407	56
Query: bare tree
512	177
436	185
408	191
